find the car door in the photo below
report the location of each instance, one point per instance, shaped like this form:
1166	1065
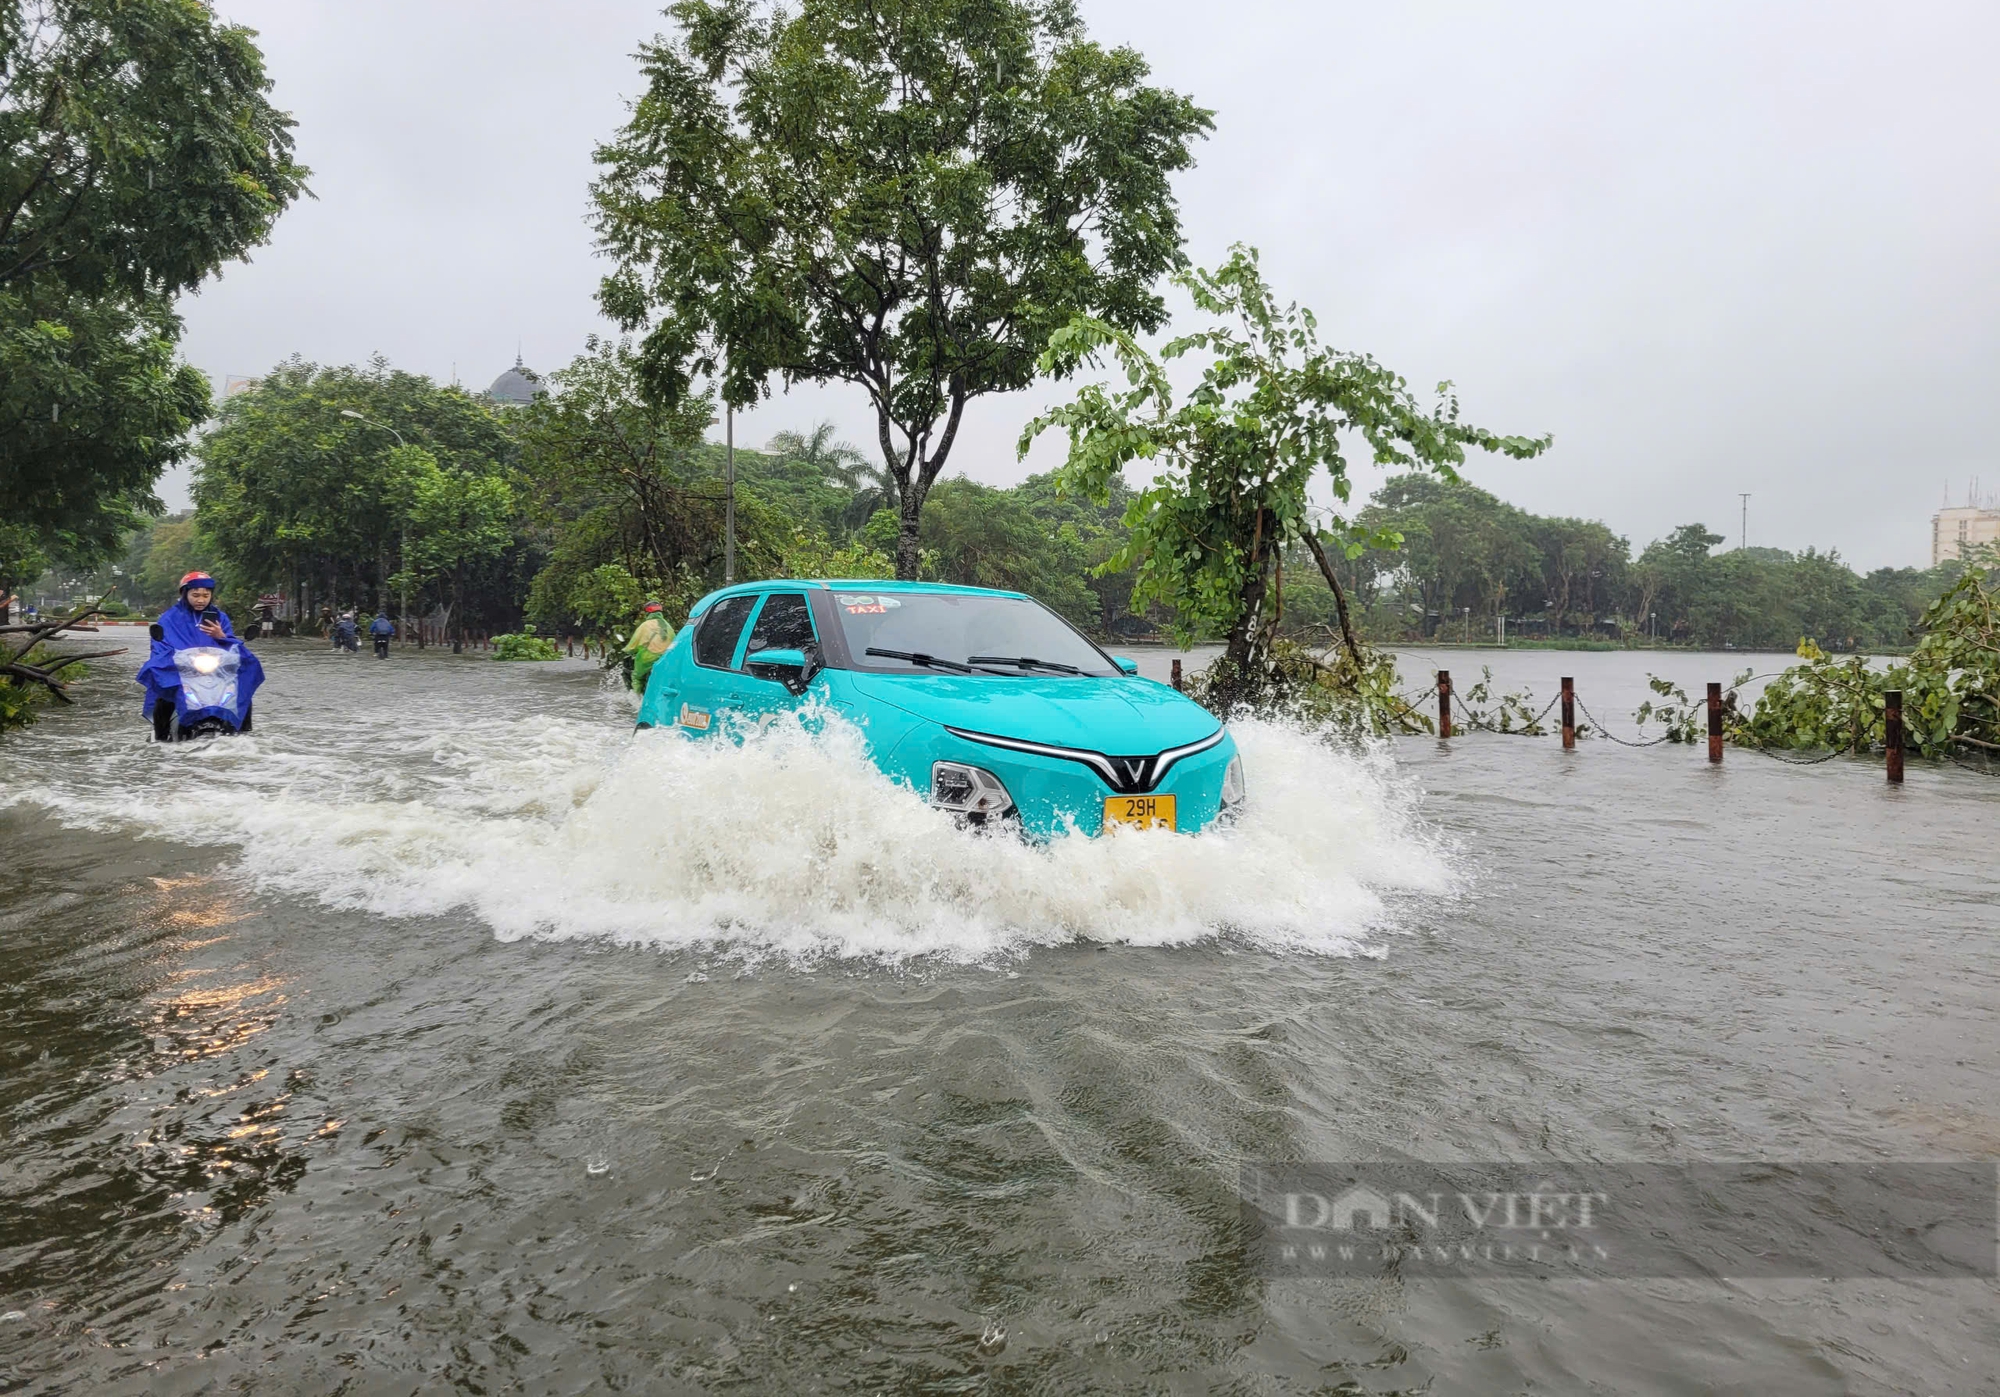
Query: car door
709	681
782	622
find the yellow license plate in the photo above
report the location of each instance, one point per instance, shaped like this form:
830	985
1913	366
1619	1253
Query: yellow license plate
1144	812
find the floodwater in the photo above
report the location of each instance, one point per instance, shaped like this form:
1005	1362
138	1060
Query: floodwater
448	1036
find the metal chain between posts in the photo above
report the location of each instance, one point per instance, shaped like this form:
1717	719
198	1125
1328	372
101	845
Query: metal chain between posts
1984	768
1474	721
1795	761
1603	731
1476	724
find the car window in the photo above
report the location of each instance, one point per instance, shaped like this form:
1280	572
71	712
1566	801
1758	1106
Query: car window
715	639
958	626
783	624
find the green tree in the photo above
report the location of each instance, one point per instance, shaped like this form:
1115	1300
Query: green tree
138	153
905	195
93	407
160	557
1098	530
295	493
1240	453
618	476
982	537
1673	568
1950	685
138	149
840	464
460	518
605	602
1461	549
1582	564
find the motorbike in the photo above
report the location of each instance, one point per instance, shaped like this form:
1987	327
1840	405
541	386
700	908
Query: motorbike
381	647
211	699
345	638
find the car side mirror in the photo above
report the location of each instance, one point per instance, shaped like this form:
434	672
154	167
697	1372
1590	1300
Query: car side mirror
1126	665
156	631
792	668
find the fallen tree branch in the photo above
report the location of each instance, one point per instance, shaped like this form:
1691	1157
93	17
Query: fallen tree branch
1339	596
16	667
1976	742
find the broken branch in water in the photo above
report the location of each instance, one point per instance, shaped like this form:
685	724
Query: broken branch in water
16	666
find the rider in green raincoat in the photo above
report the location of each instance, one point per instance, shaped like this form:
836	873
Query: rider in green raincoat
650	639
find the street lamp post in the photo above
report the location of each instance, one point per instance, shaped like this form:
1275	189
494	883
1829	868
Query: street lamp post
350	412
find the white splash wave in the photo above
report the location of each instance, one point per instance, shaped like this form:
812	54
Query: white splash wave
792	844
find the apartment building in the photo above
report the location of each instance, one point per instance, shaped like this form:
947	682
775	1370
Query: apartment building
1957	528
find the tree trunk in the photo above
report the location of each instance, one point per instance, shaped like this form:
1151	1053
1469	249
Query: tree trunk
915	472
909	555
1249	639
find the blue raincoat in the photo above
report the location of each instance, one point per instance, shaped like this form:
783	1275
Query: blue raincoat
199	676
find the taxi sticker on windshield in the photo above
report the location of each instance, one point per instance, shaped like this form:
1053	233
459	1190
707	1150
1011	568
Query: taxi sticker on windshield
860	604
696	718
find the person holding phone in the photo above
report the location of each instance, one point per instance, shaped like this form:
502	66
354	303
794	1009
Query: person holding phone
199	675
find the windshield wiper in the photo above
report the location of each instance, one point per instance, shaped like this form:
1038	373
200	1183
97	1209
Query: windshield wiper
1023	662
918	657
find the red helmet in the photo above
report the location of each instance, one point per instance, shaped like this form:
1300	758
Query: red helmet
651	606
197	578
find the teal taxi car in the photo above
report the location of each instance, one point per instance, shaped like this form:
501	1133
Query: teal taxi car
988	703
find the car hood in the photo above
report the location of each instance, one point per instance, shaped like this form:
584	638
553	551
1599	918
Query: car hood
1124	716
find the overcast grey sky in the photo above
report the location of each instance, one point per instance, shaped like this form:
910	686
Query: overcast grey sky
1711	247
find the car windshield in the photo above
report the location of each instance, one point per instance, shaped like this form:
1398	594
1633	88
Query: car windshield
945	630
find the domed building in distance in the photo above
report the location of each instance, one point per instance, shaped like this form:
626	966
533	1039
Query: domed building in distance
517	387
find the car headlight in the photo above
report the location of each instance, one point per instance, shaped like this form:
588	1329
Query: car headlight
206	664
1232	782
968	790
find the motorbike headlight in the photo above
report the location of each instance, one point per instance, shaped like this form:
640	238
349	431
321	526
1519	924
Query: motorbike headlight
1232	782
206	664
968	790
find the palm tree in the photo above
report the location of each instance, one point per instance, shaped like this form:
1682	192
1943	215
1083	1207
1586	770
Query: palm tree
840	464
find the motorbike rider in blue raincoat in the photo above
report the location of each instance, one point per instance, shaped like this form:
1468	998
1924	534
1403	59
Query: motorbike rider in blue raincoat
200	677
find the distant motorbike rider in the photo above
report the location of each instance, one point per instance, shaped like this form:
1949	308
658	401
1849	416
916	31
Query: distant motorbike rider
346	634
199	675
381	630
650	639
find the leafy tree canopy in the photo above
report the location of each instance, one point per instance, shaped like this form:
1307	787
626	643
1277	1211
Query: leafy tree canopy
984	537
289	487
905	195
138	148
138	153
625	484
1238	454
93	407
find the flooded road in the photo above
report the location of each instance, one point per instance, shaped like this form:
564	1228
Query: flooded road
447	1036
